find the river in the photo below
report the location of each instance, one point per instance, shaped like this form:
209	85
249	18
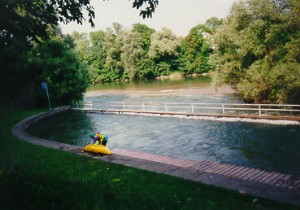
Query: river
266	146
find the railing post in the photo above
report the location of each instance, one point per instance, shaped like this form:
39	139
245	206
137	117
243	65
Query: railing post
166	107
223	109
259	110
123	105
143	105
192	108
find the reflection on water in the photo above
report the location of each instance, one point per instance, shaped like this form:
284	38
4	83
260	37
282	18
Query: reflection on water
154	84
273	147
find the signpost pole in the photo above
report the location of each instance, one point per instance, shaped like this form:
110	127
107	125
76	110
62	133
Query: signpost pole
45	87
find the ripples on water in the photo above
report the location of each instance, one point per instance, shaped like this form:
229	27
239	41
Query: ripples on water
101	101
273	147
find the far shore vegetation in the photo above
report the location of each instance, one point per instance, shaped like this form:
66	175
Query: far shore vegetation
255	49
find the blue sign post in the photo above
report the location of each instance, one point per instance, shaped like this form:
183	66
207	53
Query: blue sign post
45	87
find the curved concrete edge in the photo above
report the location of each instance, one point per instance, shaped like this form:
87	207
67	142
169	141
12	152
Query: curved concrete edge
19	130
242	186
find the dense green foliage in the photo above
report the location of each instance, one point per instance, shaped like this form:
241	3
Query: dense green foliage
33	177
31	24
26	21
142	52
255	50
25	27
55	63
195	50
258	50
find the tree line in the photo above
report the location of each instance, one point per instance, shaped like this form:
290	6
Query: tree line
256	50
119	54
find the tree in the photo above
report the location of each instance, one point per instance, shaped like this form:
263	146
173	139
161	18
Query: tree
132	52
56	64
116	53
82	47
149	8
212	25
258	50
113	46
164	49
146	65
98	69
83	51
29	20
24	23
195	50
145	33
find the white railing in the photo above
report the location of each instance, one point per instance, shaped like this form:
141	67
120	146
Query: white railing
216	108
83	105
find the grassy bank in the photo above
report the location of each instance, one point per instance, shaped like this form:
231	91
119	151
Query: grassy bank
33	177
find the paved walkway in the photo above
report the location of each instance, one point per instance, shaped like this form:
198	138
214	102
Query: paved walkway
272	185
238	172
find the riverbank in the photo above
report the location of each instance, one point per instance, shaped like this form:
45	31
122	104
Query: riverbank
34	177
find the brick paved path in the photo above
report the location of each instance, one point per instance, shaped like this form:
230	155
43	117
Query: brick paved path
229	170
268	184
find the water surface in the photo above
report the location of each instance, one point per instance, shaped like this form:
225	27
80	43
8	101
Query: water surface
272	147
154	84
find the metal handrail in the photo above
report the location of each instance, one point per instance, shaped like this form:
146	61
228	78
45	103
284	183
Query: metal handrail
209	106
83	104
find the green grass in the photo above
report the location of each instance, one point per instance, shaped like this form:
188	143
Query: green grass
33	177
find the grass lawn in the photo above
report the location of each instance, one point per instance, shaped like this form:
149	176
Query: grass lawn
33	177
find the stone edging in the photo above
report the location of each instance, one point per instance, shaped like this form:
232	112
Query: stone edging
19	130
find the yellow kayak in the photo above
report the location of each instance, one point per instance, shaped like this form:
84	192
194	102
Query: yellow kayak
97	148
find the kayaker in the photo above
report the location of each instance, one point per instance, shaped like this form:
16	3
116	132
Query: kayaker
104	142
99	138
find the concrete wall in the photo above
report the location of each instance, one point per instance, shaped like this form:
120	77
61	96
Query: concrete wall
19	130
